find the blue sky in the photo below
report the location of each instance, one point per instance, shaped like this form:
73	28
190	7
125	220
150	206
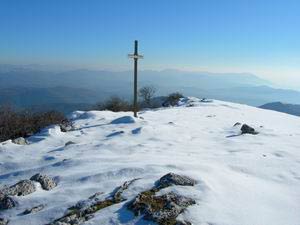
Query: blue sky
258	36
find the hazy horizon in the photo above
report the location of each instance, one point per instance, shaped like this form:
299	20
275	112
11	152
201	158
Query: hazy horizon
258	37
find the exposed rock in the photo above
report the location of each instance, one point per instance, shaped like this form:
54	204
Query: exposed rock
23	187
72	219
237	124
46	182
175	179
20	141
66	126
34	209
3	221
162	209
6	202
85	210
248	130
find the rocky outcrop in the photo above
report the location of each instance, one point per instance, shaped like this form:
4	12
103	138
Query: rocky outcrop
46	182
23	187
161	209
85	210
6	202
248	130
20	141
175	179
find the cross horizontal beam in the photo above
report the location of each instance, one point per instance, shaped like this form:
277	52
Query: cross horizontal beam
133	56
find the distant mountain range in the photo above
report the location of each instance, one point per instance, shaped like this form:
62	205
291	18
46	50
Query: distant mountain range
36	86
282	107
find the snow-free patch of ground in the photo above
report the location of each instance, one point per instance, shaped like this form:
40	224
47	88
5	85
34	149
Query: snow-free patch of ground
241	179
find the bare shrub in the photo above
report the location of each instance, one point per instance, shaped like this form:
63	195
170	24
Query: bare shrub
114	104
173	99
14	124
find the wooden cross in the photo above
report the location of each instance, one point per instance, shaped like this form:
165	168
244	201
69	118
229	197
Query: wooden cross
135	57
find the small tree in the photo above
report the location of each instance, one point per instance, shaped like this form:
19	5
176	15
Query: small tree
147	93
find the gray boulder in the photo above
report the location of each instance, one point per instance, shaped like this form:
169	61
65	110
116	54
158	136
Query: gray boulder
23	187
20	141
175	179
162	209
6	202
46	182
248	130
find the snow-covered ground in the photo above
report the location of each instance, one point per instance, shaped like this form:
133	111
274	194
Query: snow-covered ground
241	179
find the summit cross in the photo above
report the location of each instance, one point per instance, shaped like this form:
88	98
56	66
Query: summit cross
135	57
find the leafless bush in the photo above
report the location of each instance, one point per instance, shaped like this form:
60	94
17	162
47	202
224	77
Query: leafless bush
114	104
14	124
173	99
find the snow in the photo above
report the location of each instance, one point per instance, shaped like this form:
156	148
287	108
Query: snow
241	179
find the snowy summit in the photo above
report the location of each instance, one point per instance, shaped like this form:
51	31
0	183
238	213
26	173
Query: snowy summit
110	164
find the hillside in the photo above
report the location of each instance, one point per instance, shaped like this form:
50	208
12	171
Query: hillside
283	107
240	179
39	87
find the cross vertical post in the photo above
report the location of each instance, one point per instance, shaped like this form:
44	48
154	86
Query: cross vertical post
135	79
135	57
